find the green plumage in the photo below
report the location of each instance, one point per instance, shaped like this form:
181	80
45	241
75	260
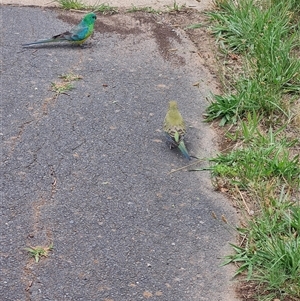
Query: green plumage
77	35
174	128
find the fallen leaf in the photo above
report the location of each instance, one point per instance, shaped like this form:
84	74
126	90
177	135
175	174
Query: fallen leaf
132	285
147	294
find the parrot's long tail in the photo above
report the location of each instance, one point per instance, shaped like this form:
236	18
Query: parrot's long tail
40	42
183	149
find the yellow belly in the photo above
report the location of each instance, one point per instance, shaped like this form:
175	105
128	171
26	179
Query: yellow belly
81	41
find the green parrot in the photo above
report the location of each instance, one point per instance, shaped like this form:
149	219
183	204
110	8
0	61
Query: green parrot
77	35
174	128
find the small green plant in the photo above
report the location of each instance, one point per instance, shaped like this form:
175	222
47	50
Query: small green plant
61	87
69	77
39	251
176	7
147	9
269	251
224	107
71	4
194	26
263	158
103	8
65	84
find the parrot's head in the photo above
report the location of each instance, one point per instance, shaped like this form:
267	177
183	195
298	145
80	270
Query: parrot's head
172	105
90	18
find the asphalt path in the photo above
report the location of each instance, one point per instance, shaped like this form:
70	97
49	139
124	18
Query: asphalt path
89	171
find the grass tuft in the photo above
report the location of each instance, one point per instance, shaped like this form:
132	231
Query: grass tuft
147	9
176	7
271	68
39	251
194	26
71	4
269	252
103	8
260	111
65	84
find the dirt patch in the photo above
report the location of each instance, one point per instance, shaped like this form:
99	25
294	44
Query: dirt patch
249	291
121	24
136	23
201	37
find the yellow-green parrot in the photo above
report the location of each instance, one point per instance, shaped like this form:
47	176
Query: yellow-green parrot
174	128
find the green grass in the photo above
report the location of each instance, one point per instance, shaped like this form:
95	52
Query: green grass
71	4
267	40
147	9
269	253
261	121
176	7
61	87
103	8
39	251
262	158
194	26
65	84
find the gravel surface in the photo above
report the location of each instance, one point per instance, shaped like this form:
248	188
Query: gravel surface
89	169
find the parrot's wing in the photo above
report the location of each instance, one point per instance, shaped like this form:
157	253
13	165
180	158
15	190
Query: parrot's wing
78	33
74	35
63	36
171	141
